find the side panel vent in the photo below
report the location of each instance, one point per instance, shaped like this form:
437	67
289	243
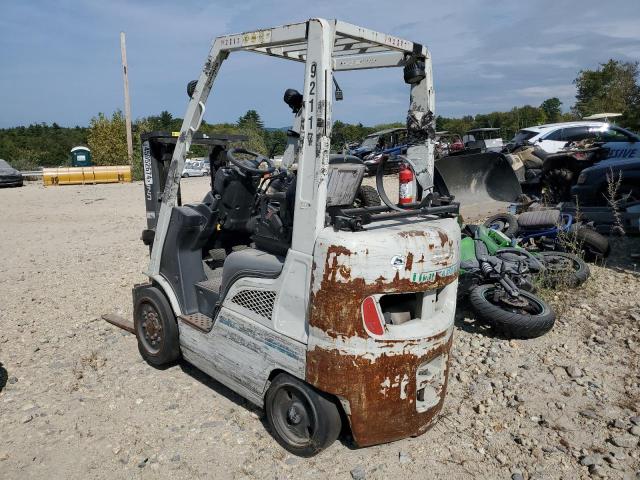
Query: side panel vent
258	301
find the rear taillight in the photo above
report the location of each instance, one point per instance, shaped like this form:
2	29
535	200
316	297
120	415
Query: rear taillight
371	316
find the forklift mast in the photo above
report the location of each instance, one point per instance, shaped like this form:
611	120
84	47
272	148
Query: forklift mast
324	46
157	152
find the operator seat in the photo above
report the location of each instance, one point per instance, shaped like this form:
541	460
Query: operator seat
249	262
237	193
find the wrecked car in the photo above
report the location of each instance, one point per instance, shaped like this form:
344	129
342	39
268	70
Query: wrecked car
9	176
594	184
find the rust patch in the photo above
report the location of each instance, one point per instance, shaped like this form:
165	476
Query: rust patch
339	250
409	263
421	259
345	271
443	237
412	233
378	415
335	307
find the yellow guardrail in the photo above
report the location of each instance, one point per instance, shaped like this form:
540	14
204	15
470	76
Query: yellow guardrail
83	175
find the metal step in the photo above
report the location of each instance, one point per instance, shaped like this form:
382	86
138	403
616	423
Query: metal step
200	321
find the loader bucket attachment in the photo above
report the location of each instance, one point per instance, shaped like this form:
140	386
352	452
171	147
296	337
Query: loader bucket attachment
478	178
84	175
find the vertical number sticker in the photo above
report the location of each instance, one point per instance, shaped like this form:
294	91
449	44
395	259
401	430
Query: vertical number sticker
311	102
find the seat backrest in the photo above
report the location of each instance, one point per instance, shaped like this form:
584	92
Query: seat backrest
237	196
344	179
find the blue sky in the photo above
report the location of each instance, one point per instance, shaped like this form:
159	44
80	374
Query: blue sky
60	61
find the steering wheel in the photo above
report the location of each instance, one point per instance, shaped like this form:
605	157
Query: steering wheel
250	165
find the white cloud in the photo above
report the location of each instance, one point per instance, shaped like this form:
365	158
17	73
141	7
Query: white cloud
554	49
546	91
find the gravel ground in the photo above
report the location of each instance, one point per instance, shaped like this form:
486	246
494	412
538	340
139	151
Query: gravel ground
77	401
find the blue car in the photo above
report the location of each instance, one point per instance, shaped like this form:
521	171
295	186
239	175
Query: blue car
592	185
382	140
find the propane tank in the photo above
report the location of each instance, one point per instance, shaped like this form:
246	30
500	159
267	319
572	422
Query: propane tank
405	192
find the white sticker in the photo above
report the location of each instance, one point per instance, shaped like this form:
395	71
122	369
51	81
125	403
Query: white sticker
397	262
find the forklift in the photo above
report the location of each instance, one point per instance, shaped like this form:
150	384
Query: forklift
332	317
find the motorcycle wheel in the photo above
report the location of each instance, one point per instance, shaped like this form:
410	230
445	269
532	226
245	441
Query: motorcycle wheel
563	269
594	245
503	222
527	317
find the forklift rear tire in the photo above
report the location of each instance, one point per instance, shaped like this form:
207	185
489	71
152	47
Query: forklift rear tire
302	419
156	328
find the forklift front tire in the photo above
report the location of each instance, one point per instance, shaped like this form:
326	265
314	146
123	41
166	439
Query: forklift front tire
303	420
156	328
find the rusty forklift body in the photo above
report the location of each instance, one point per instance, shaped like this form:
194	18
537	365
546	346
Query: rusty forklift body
354	309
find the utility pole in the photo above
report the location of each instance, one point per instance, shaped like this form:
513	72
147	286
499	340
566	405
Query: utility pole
127	104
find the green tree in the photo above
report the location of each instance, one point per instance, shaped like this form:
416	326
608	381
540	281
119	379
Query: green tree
108	140
275	141
165	120
552	110
251	119
29	147
343	134
612	87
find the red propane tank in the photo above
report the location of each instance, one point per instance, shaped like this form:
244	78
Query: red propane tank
405	192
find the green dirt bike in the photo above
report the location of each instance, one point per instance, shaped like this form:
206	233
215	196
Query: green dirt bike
499	279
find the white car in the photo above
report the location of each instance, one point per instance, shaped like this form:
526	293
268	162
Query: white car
554	137
193	169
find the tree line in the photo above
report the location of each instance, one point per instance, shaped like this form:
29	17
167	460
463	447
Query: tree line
612	87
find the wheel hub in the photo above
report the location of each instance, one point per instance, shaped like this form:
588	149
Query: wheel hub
559	264
517	302
152	327
293	415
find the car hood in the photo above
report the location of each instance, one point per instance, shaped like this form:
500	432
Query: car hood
9	172
361	150
615	163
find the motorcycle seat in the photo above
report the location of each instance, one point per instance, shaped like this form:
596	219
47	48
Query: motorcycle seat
541	219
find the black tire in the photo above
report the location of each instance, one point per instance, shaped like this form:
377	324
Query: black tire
513	322
302	419
594	245
558	182
563	269
367	196
156	328
504	222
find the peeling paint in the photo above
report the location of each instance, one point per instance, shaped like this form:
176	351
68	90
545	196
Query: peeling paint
403	387
377	377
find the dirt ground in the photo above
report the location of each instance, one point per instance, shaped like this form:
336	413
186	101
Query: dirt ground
77	401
